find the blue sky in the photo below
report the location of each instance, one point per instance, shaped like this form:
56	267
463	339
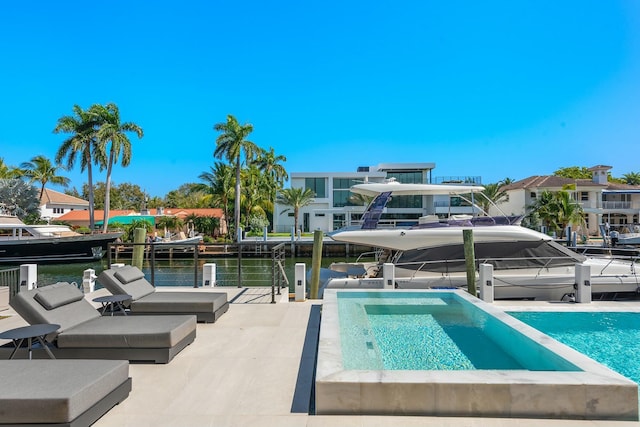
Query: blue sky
493	89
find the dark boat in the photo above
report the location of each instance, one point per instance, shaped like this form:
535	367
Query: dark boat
39	244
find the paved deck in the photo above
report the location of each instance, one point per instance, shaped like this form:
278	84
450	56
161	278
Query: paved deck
253	367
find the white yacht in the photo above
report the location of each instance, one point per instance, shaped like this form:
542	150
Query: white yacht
527	264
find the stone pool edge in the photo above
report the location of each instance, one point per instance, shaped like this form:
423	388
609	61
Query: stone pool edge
595	393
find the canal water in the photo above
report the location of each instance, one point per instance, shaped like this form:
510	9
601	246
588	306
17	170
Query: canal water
182	272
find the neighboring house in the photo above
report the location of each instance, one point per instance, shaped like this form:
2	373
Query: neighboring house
332	208
602	201
54	204
81	218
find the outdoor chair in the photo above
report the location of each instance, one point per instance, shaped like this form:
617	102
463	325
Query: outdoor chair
60	392
146	299
85	334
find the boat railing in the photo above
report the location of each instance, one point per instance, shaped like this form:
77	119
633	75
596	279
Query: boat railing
445	264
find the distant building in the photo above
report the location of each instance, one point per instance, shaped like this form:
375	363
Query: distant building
54	204
81	218
334	207
602	201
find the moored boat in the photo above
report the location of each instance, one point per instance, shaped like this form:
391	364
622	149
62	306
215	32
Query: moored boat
21	243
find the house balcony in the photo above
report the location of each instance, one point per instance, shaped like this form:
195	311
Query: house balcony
599	207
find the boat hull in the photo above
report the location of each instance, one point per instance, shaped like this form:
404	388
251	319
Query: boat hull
55	249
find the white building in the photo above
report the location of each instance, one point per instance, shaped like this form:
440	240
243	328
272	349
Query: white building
333	207
54	204
602	201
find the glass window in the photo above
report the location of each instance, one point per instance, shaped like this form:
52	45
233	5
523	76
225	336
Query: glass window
584	196
415	177
317	185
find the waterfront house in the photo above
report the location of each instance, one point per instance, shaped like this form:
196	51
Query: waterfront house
54	204
602	201
334	208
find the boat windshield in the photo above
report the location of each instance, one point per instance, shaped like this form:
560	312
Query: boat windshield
502	255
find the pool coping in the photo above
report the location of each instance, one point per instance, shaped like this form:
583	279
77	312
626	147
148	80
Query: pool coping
595	393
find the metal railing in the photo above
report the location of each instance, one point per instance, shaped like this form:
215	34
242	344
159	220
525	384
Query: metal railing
10	278
241	265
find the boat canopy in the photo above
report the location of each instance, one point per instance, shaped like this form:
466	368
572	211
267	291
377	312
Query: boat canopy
400	189
128	219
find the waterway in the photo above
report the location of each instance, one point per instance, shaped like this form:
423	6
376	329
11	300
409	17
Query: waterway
183	272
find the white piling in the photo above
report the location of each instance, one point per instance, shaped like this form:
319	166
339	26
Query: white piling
29	276
209	274
486	282
583	283
388	275
89	280
301	281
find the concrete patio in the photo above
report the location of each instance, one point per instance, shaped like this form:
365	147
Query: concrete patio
254	367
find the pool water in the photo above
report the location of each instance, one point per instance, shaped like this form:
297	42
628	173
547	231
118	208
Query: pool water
611	338
432	331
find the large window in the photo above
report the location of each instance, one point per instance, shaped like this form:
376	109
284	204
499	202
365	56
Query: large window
414	202
341	193
317	185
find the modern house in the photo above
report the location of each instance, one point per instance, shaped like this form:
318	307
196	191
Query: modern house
334	207
54	204
602	201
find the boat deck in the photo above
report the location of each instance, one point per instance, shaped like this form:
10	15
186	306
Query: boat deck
254	366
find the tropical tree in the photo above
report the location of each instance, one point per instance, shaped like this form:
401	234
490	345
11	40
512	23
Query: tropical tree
170	223
557	210
220	182
19	198
8	172
233	145
632	178
82	126
112	139
40	169
574	172
255	199
296	198
491	195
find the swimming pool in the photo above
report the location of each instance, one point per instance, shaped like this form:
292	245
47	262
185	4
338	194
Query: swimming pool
611	338
433	331
540	377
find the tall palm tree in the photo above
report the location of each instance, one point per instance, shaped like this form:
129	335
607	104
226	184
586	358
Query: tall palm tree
255	198
82	126
276	174
220	183
40	169
112	138
232	144
296	198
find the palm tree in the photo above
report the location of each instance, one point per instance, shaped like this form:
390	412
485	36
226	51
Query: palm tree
112	131
255	198
296	198
231	144
82	126
220	183
40	169
8	172
557	210
632	178
170	223
492	195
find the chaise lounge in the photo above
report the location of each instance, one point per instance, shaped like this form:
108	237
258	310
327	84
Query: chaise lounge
60	392
130	280
85	334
